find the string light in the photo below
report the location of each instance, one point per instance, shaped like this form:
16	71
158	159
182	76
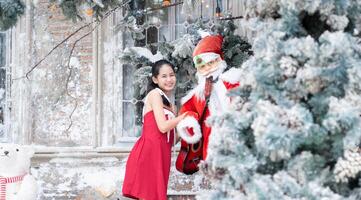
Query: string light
53	7
166	2
89	12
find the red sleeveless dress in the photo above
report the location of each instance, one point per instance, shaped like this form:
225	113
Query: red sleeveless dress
148	165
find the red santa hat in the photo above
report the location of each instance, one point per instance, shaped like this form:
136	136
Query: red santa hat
208	48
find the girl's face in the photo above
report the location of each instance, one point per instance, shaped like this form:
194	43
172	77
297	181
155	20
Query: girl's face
166	78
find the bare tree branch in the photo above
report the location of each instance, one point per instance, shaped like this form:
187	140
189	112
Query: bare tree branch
69	36
51	51
71	68
69	76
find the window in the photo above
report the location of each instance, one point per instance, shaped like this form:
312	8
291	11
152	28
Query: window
161	28
4	85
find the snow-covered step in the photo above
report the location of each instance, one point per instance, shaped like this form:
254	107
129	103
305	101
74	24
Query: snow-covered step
99	178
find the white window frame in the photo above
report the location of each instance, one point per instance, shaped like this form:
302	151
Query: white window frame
7	103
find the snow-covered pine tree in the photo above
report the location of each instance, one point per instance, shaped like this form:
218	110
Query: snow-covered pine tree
78	9
294	129
10	10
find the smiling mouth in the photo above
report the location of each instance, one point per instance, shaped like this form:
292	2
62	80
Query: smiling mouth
4	156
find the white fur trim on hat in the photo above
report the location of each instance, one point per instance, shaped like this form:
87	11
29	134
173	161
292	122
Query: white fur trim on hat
189	122
206	57
203	33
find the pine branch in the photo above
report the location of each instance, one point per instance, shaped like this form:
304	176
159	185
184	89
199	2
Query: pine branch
231	18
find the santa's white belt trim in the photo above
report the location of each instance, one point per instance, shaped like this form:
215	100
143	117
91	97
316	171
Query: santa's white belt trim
7	180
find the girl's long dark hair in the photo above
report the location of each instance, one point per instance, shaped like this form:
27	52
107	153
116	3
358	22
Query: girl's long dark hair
155	72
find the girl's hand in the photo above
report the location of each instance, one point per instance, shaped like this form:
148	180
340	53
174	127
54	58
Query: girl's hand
174	108
183	115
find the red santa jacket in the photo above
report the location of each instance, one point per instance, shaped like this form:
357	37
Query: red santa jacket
189	129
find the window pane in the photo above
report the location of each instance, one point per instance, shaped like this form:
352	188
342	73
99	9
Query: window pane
2	81
164	34
132	105
180	30
157	17
179	16
132	110
234	7
152	38
152	35
208	9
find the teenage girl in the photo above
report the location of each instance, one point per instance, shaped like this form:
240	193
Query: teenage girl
148	165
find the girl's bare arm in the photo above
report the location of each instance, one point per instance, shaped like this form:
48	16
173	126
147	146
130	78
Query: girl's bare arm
156	103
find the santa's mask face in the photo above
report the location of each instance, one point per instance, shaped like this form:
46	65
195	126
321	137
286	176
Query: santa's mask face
209	67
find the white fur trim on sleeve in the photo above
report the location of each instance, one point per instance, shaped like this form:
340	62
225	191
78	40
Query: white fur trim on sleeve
232	75
198	92
189	122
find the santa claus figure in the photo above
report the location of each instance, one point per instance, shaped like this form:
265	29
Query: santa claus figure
206	99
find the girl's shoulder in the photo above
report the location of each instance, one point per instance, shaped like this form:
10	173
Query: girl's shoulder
154	95
154	92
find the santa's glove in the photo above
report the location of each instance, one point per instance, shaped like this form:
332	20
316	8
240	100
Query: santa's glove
189	129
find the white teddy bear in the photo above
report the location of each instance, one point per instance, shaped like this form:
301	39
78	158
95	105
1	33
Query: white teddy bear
15	181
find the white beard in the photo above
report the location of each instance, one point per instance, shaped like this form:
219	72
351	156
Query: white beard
218	101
